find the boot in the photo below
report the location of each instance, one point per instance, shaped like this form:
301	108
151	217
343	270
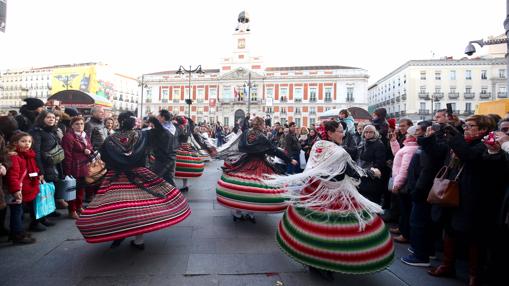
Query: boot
446	269
473	265
3	230
22	238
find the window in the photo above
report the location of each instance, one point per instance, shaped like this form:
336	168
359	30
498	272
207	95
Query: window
423	89
226	121
270	92
423	75
297	122
283	110
297	110
484	90
453	105
501	73
328	108
283	121
268	109
437	105
468	74
312	94
165	94
298	92
227	93
312	110
468	106
468	89
328	94
452	89
349	94
212	92
438	89
312	121
283	93
438	75
200	94
484	74
422	106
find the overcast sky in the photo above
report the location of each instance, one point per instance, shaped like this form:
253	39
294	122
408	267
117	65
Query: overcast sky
154	35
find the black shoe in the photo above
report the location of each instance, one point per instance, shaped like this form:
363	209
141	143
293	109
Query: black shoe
47	223
324	274
54	214
36	227
235	218
116	243
22	239
184	189
137	246
250	218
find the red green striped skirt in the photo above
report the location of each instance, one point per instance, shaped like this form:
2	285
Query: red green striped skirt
121	209
335	242
189	164
242	189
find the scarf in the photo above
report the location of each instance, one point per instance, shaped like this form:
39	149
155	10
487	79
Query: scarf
29	157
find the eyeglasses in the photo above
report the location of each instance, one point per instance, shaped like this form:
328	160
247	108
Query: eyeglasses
468	126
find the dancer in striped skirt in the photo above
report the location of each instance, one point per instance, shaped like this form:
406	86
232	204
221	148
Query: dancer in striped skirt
329	226
131	200
241	187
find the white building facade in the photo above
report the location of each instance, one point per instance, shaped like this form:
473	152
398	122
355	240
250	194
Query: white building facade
242	84
419	87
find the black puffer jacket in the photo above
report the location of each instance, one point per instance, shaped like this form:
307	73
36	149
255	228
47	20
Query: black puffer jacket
45	139
372	155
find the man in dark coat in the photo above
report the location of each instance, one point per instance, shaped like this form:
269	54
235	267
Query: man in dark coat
28	113
165	146
292	148
95	127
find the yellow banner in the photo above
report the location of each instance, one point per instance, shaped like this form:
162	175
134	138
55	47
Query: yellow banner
75	78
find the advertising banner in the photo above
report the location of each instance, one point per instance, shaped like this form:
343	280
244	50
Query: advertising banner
74	78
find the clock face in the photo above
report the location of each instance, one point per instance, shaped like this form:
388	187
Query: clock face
241	43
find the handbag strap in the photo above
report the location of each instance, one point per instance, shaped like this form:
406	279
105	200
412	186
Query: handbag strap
459	172
444	169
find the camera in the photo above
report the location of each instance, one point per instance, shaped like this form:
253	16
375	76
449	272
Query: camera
470	49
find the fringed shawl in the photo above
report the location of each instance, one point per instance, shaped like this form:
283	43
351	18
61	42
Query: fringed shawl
327	161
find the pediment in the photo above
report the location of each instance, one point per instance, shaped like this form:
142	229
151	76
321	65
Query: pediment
241	74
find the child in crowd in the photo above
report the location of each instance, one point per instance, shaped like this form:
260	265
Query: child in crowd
23	184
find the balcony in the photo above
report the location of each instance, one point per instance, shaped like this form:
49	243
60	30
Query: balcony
200	100
164	100
403	113
468	112
502	94
393	100
438	95
423	111
469	95
328	99
403	97
424	95
176	100
298	100
312	113
454	95
297	112
398	99
485	95
312	99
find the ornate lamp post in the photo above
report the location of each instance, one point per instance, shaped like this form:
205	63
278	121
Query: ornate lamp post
189	71
143	85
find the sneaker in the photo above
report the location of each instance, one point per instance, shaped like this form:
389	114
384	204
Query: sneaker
411	250
414	261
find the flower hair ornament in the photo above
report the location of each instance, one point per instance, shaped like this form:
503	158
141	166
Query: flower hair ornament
321	130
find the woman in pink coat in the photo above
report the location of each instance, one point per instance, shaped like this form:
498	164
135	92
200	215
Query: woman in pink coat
402	159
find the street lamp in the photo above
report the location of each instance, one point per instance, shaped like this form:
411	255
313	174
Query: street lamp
470	49
189	71
143	85
249	84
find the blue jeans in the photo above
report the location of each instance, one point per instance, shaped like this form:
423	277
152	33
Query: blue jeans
291	169
421	230
16	220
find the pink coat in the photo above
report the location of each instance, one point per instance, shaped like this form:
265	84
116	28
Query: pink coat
401	162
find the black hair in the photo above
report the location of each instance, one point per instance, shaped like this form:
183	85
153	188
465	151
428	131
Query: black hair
343	124
39	120
166	114
345	112
331	125
126	120
423	125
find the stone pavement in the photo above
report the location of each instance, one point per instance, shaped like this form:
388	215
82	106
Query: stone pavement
208	248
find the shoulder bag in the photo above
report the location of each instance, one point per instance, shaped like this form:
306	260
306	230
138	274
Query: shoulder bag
445	192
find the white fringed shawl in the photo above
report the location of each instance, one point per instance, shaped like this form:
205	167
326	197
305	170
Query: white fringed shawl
326	161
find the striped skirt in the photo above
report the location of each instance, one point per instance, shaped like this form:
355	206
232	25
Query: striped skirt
189	164
121	209
335	242
242	189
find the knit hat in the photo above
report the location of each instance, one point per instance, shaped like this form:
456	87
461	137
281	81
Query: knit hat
71	111
392	122
411	130
33	103
381	112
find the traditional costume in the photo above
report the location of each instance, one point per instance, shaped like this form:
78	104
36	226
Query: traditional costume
241	187
131	200
328	224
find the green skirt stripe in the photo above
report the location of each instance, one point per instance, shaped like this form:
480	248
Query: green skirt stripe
353	245
336	267
330	218
265	199
246	183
